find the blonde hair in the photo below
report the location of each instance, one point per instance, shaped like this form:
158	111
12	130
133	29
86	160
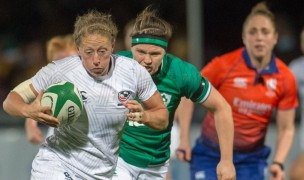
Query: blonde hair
94	22
59	43
260	9
149	23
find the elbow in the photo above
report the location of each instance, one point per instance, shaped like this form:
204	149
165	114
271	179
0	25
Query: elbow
165	121
5	106
228	107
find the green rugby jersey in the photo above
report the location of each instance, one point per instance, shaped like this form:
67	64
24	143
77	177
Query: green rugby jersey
142	146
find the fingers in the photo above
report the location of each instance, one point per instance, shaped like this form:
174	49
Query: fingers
136	112
54	124
180	154
38	98
136	116
223	177
183	155
48	120
42	114
133	106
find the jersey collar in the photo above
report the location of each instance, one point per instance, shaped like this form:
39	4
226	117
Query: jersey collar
271	68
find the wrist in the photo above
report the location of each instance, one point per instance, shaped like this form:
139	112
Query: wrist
281	165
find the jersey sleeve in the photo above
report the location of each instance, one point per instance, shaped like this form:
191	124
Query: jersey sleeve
194	86
289	98
44	77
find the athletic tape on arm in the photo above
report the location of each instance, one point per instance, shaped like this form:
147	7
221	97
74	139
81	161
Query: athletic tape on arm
25	91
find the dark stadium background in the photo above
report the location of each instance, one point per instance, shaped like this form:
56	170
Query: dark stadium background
25	20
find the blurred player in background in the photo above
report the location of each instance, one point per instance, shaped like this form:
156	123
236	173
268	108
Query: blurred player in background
144	152
89	148
255	83
296	66
58	47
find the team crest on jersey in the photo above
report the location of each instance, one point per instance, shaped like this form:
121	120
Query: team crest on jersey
272	86
271	83
123	96
166	98
84	96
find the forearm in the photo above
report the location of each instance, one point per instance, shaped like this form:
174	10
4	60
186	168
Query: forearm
184	130
30	123
184	117
14	105
284	143
285	134
157	119
225	131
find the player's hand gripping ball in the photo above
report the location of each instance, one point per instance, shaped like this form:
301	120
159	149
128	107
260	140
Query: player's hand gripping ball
65	100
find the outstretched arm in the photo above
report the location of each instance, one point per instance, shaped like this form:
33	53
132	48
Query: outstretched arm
225	131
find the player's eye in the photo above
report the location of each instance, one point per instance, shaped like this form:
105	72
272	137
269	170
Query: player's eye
89	53
101	53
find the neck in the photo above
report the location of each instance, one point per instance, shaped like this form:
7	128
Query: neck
260	63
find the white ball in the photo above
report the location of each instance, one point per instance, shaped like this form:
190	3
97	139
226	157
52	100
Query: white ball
65	100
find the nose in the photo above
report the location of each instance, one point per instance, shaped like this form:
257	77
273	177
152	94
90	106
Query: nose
96	60
259	35
148	59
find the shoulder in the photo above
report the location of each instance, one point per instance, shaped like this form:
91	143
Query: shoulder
183	73
230	57
284	69
178	64
224	62
68	61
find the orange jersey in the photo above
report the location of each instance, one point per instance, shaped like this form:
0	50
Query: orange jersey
253	96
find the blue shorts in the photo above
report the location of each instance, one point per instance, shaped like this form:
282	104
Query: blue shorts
205	157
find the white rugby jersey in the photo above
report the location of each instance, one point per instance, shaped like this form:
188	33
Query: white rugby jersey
90	146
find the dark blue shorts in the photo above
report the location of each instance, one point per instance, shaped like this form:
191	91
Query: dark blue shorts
205	157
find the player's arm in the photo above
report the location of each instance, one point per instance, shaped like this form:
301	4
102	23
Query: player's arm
184	115
225	131
22	102
152	113
33	132
286	131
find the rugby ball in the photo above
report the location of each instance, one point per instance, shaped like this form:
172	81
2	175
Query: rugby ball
65	100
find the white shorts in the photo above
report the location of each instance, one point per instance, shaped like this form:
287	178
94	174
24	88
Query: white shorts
174	139
47	166
125	171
